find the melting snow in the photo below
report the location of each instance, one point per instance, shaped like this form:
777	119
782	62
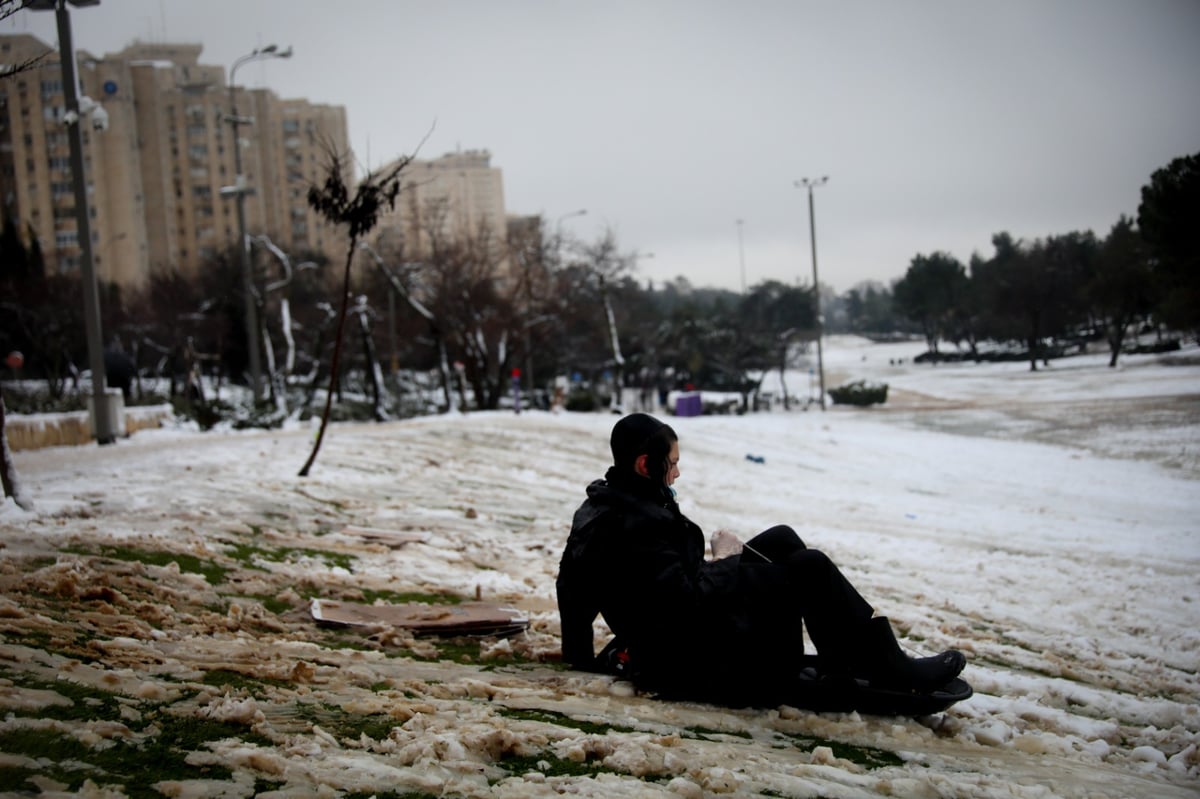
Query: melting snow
1045	523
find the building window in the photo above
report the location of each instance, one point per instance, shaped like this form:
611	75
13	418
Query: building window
66	238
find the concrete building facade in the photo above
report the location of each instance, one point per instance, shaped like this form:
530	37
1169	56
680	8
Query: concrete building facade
460	194
155	176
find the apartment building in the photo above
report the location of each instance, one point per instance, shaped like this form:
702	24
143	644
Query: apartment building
457	195
155	176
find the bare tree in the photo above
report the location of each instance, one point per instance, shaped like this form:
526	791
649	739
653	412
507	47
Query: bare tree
378	393
360	213
399	285
7	9
468	288
606	265
535	255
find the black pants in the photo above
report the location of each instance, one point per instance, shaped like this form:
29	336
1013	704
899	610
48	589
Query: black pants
794	584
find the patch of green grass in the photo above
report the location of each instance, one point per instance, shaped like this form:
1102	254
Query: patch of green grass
553	766
371	595
516	765
867	756
135	766
343	724
246	554
191	564
561	720
77	647
39	562
86	703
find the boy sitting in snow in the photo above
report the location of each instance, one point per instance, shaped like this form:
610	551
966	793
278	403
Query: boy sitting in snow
726	630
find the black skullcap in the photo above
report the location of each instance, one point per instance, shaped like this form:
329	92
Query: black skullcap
632	436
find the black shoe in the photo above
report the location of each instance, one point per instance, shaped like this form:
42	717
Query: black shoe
885	665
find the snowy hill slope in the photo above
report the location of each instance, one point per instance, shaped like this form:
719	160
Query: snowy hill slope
166	578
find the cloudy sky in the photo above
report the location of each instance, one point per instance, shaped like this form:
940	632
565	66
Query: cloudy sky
938	122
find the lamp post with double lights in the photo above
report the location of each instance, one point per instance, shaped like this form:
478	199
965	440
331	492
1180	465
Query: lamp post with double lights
239	191
808	183
102	427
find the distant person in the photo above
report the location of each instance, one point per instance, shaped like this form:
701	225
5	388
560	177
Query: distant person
560	393
724	630
120	372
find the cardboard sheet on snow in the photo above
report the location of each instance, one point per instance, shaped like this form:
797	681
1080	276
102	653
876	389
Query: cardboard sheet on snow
393	539
468	618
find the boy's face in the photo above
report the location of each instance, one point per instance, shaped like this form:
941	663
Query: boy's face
639	466
672	464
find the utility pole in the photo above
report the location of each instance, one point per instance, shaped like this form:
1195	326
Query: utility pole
101	422
812	226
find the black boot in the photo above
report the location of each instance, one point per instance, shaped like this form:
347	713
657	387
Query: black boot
885	665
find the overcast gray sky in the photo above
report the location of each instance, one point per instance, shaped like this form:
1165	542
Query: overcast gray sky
938	122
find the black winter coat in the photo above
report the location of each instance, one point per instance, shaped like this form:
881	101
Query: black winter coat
692	627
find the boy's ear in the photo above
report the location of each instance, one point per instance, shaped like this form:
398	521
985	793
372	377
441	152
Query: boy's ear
639	466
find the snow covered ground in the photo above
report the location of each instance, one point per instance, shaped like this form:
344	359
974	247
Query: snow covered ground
1045	523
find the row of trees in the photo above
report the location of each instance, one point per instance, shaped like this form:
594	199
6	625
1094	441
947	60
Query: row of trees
445	328
1070	286
471	310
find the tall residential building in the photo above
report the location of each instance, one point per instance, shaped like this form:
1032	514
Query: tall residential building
457	195
156	176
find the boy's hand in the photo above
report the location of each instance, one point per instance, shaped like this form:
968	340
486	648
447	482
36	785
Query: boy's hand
724	544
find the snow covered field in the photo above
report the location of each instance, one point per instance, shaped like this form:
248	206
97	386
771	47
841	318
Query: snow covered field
1047	524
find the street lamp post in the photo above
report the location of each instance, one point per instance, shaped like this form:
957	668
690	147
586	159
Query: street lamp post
558	223
812	226
102	427
239	190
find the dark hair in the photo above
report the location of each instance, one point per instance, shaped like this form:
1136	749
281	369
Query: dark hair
658	453
642	434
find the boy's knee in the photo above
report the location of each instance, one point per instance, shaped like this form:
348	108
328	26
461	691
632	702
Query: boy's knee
811	561
781	537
